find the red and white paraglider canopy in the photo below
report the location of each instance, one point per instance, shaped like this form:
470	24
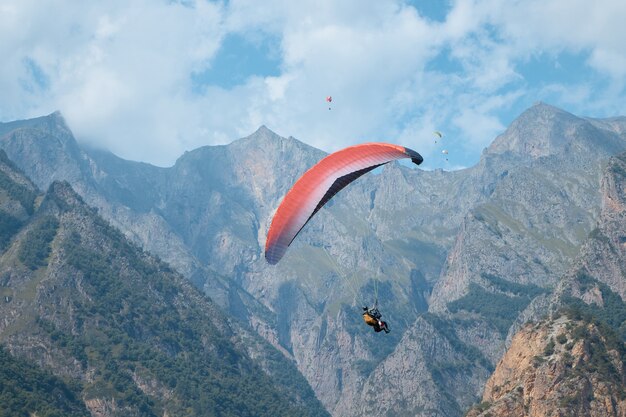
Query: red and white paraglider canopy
320	183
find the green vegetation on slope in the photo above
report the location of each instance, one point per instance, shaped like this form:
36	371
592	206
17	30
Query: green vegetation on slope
613	311
134	324
599	339
9	226
27	390
500	309
446	328
36	247
527	290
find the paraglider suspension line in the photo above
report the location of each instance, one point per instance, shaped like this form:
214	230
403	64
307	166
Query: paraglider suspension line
349	279
375	292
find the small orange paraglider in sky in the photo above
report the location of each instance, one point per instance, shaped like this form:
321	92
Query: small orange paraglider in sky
329	100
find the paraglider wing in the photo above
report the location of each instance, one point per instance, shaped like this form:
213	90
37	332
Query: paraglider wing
320	183
329	99
438	133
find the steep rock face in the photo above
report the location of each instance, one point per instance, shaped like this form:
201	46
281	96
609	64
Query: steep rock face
560	367
219	199
568	366
515	244
45	149
603	257
17	198
540	210
448	374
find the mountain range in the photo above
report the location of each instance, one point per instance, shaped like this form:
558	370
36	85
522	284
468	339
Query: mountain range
458	261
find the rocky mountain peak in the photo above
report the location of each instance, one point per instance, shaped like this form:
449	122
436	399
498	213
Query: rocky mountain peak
544	130
57	121
262	141
46	149
264	130
267	141
50	123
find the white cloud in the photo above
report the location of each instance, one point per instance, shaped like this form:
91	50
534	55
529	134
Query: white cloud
610	61
576	25
116	70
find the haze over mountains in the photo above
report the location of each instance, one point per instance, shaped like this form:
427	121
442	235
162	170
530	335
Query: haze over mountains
463	258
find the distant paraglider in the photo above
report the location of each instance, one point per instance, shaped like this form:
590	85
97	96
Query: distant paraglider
329	100
438	135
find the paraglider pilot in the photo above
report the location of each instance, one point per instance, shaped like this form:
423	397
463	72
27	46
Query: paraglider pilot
372	318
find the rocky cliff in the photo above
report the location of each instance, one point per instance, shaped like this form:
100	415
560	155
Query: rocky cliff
574	364
603	257
558	367
516	244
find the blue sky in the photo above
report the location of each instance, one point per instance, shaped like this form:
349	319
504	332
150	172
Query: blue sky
149	79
